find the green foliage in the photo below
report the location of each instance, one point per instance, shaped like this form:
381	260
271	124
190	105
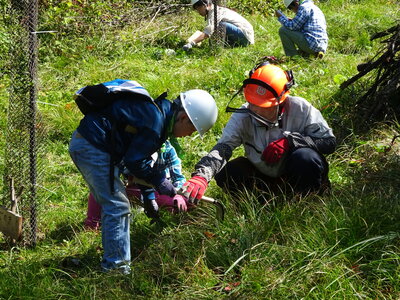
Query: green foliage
82	16
255	6
353	37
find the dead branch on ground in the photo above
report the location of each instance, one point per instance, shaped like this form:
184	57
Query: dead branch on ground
383	96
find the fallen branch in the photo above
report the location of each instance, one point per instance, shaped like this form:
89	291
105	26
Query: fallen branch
383	94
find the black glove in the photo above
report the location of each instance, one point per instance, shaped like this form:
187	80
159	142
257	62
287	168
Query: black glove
149	203
166	188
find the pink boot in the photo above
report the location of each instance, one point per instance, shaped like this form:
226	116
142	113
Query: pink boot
93	218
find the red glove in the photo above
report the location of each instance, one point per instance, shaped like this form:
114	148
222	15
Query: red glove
194	188
275	151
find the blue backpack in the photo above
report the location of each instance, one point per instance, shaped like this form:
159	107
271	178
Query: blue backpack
93	98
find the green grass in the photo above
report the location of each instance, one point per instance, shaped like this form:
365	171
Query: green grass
339	246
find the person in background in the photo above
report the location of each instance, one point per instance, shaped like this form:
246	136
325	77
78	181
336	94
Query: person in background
165	160
130	130
305	34
285	139
238	31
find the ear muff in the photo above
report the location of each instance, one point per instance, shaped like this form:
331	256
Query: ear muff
290	78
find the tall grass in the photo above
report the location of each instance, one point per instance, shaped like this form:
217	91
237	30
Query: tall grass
344	245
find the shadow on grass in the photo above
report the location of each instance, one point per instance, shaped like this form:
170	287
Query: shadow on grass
372	176
65	231
372	193
144	232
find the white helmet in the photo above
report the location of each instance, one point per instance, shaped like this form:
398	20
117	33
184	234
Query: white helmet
201	108
287	2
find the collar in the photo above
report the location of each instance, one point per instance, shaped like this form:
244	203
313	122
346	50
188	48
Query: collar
173	140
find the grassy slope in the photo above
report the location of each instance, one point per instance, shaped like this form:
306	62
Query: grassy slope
339	246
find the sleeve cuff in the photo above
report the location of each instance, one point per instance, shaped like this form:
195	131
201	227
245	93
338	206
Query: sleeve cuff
147	193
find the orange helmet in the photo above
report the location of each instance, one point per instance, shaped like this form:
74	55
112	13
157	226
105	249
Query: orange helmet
268	85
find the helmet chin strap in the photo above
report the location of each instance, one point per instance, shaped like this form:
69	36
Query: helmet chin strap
278	115
264	121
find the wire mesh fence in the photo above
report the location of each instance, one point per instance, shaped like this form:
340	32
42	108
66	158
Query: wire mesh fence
22	136
218	39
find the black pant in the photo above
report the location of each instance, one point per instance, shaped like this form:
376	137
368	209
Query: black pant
305	170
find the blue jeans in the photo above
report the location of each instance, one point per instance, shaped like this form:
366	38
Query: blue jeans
291	40
94	166
234	36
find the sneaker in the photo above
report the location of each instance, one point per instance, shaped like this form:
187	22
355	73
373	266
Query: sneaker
123	270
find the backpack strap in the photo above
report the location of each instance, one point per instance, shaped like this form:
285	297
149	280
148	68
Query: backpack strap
112	156
162	96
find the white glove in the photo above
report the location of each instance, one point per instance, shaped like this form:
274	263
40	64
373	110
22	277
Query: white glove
188	46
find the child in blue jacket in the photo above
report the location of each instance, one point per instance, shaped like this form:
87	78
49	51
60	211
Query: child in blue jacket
167	161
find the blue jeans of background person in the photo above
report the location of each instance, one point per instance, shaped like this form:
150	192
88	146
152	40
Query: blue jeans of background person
234	36
305	171
94	166
291	40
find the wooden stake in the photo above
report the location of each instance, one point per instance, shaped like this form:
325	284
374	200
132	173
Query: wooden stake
10	220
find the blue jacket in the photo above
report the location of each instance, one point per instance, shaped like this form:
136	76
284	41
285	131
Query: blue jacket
140	129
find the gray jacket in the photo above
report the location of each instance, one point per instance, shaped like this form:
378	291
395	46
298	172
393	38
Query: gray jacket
301	123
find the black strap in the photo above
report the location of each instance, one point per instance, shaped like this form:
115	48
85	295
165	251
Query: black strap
259	65
246	82
112	156
280	114
162	96
262	84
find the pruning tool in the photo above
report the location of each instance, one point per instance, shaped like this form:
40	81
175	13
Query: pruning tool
220	209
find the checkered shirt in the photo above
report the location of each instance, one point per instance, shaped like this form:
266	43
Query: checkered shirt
310	20
169	162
